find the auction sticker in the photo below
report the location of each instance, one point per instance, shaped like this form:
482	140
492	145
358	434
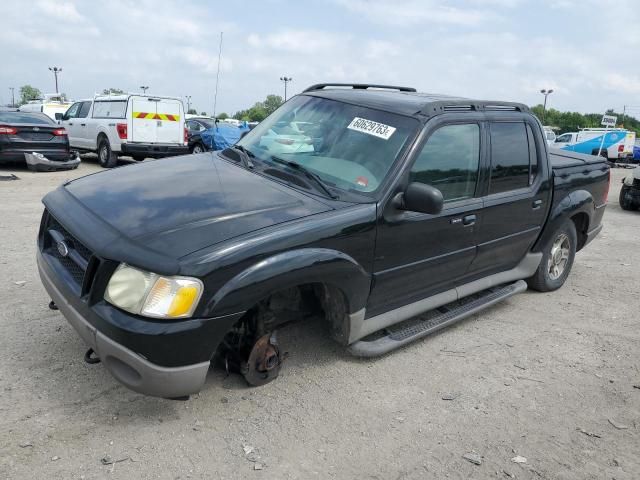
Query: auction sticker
370	127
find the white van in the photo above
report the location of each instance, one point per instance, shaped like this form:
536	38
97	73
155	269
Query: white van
51	104
616	143
133	125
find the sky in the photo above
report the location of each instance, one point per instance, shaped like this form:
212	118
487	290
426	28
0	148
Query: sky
585	50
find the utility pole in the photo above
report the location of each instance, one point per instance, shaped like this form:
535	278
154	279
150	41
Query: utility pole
56	71
546	93
286	80
144	89
188	97
13	98
215	95
624	110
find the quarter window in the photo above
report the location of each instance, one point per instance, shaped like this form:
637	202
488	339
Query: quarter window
449	161
509	157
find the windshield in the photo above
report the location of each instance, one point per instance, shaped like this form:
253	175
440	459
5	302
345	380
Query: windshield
346	146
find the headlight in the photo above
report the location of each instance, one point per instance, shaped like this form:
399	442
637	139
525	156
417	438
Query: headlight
152	295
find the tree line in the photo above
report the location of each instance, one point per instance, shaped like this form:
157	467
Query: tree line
564	122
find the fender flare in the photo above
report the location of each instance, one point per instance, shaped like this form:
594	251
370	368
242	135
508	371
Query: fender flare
289	269
579	201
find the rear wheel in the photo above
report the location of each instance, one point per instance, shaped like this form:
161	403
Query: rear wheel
557	259
198	148
106	157
625	202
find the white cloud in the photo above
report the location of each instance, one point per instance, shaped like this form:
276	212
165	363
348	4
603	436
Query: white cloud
296	41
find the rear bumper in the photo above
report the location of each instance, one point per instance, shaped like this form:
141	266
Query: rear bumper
17	155
153	150
44	164
129	368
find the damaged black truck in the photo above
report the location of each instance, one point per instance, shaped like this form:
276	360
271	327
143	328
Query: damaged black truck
388	212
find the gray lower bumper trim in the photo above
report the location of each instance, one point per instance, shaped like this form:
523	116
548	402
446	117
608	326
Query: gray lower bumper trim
125	365
43	163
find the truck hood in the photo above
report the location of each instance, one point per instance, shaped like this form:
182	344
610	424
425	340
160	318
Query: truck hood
179	205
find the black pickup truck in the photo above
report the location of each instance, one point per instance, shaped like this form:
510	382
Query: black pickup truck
370	206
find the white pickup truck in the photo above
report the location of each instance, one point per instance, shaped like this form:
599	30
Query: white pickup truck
51	104
133	125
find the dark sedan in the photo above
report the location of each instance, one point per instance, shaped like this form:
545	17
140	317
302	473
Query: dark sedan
195	126
33	133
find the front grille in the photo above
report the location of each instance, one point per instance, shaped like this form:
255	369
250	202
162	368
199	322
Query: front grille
76	261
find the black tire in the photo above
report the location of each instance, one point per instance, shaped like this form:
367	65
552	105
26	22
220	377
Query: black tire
625	203
198	148
544	280
106	157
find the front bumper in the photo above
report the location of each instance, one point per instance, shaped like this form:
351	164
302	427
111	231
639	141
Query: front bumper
153	150
128	367
44	164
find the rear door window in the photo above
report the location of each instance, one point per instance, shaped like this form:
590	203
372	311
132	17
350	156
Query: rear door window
84	110
449	161
510	161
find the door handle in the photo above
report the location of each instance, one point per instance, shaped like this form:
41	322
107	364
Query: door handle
83	124
536	204
70	123
469	220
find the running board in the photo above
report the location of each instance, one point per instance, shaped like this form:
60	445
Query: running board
406	332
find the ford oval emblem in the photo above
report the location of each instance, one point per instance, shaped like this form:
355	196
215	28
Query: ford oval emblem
63	250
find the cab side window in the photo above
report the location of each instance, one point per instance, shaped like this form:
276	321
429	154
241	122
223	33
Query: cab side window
510	160
449	161
566	138
73	110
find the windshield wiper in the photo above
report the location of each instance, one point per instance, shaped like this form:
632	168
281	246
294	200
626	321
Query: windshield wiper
244	155
308	174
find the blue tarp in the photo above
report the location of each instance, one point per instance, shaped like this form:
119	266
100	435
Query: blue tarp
222	136
636	153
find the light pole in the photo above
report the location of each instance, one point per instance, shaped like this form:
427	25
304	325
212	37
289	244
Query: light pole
546	93
144	89
13	98
56	71
188	97
286	80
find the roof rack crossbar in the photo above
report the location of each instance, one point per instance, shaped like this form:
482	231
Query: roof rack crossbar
446	105
357	86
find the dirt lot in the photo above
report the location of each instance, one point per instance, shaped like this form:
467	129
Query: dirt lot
550	377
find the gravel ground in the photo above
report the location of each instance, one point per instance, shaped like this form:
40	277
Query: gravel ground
553	378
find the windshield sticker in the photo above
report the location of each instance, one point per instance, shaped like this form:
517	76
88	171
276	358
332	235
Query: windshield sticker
370	127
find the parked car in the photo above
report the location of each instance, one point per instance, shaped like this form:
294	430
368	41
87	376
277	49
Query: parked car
550	135
636	151
29	133
618	143
195	127
409	202
630	191
50	104
134	125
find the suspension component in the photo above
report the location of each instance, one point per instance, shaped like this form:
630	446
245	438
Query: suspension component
264	362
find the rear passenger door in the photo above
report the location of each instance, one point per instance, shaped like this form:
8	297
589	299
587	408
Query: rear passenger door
516	196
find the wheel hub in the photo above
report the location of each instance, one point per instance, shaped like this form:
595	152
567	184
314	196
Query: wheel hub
559	256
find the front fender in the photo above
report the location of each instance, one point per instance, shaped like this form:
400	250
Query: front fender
290	269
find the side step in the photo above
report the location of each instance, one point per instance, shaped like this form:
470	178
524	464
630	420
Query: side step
403	333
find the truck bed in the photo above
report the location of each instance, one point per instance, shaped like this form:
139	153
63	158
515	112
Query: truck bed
563	159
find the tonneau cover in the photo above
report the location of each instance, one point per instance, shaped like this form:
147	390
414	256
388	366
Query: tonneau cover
563	159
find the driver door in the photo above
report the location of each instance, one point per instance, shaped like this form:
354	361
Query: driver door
417	254
71	123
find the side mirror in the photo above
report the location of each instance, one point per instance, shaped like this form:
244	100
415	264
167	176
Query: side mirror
423	198
58	116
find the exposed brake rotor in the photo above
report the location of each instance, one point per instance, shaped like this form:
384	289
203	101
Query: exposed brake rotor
264	362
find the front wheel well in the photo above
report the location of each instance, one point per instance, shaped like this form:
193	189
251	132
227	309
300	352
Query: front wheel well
581	222
306	300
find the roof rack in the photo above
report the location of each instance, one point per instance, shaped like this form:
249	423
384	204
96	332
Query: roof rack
357	86
443	106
